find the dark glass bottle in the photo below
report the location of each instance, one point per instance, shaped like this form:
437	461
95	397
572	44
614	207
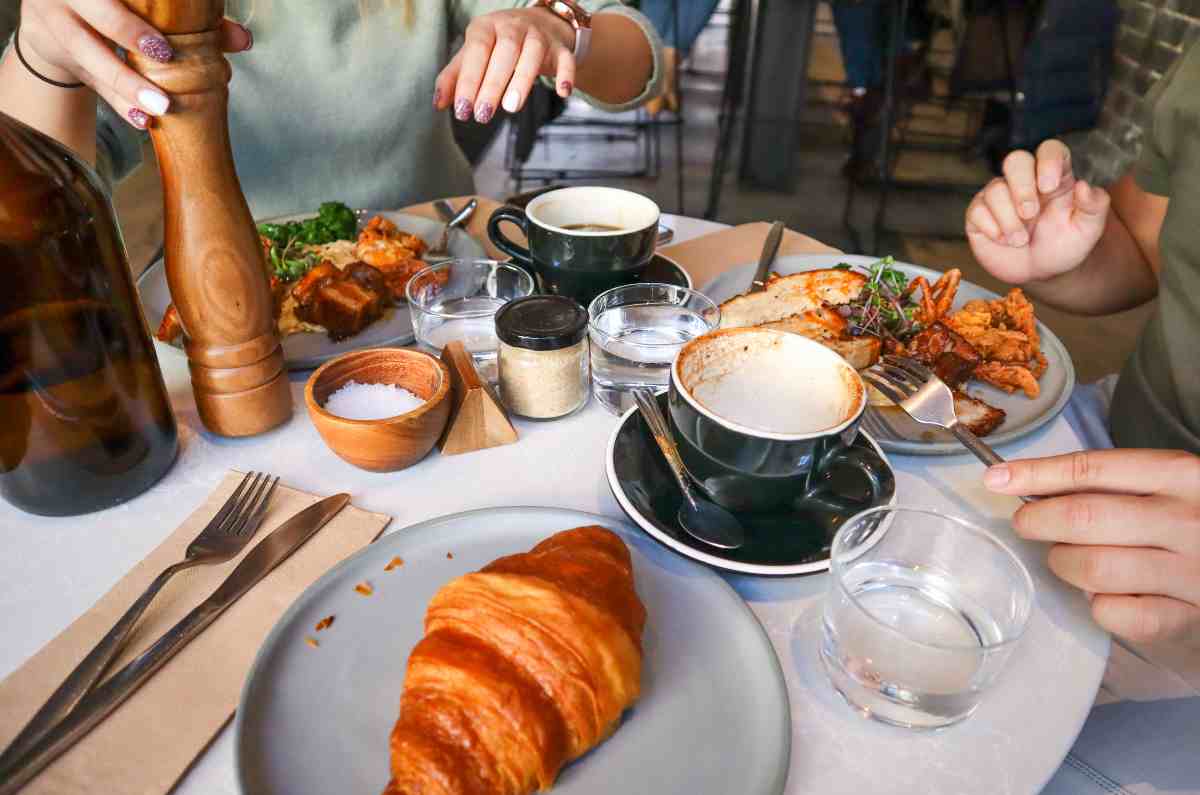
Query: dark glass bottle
84	418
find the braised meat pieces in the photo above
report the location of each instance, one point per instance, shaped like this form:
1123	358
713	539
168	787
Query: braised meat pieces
343	301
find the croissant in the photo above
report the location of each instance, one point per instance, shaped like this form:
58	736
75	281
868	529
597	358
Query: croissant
525	665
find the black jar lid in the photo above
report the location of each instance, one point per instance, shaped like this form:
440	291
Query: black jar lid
541	322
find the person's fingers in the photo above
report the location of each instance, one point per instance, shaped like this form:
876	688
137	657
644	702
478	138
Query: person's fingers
115	22
1091	200
529	65
1111	519
564	72
981	222
443	87
1126	570
1019	168
1124	471
109	77
1148	618
999	201
1053	166
476	53
235	37
505	53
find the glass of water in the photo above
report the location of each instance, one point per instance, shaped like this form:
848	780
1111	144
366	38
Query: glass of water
636	330
457	300
922	614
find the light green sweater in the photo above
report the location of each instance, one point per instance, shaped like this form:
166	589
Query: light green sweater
329	105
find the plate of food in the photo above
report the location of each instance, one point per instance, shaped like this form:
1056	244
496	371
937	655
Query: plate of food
337	279
1010	373
513	650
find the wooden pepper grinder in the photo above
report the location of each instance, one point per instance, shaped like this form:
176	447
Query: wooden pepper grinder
215	264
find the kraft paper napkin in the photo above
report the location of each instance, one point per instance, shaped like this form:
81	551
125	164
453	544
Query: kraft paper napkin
149	742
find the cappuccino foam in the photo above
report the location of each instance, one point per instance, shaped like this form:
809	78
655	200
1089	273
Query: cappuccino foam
771	383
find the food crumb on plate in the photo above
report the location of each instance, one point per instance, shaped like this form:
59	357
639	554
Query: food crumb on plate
325	623
364	588
311	641
393	563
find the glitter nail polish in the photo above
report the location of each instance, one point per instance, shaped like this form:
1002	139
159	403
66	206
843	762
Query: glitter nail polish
437	97
155	47
138	118
565	87
462	109
484	113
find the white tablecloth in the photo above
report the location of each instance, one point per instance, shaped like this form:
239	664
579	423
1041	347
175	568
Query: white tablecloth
52	570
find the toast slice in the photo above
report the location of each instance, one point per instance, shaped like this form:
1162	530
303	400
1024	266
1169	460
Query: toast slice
799	304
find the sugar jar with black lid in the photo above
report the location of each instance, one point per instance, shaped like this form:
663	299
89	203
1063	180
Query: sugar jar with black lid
543	358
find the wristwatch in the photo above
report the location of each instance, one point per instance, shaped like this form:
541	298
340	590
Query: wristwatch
574	15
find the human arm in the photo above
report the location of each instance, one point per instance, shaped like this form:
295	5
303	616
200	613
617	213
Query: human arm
1072	245
70	41
506	51
1125	525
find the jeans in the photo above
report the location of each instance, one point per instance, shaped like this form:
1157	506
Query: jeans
693	16
862	29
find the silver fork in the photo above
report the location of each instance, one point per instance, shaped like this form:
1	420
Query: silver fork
915	388
452	219
221	539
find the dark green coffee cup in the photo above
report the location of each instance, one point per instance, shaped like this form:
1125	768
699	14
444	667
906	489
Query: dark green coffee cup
582	241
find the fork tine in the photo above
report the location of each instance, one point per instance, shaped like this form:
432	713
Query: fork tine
228	527
889	390
911	366
870	422
900	378
255	517
231	504
248	507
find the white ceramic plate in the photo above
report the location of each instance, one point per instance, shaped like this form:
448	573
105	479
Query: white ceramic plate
893	428
306	350
713	718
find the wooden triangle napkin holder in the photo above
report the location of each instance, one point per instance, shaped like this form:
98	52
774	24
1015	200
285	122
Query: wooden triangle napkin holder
478	420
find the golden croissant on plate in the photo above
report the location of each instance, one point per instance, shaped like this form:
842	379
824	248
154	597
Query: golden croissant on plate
525	665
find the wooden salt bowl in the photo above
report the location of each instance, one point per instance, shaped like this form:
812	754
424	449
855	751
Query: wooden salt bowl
389	444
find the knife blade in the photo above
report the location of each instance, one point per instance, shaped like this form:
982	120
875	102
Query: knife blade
767	258
104	698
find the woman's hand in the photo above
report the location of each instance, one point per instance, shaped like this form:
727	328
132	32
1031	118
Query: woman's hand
72	40
504	52
1125	525
1038	221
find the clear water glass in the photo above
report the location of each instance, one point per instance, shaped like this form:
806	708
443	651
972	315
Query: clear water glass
636	331
922	614
457	299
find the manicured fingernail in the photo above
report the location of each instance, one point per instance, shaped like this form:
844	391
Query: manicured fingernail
155	103
484	112
512	101
249	37
1018	238
437	97
462	109
997	477
565	87
1029	209
155	47
138	118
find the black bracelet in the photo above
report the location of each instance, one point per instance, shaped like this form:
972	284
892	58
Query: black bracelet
35	72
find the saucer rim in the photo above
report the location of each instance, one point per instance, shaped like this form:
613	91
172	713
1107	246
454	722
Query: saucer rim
709	559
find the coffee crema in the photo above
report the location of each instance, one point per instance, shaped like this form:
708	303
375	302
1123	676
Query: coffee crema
592	228
770	381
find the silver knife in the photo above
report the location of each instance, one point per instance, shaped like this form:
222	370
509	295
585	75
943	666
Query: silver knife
767	258
106	697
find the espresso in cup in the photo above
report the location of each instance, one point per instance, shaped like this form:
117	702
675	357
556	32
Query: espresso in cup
762	417
581	241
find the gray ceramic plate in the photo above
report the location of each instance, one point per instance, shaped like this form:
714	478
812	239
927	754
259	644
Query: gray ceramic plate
713	718
307	350
891	426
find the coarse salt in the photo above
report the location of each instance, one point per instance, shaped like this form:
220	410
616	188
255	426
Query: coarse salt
355	401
